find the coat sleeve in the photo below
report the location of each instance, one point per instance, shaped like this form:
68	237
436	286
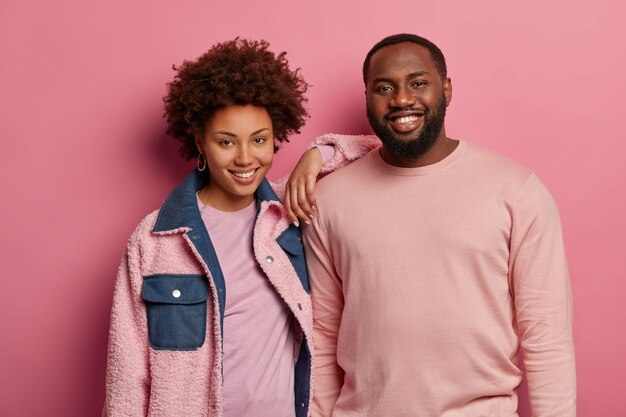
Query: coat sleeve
327	301
345	149
543	304
127	374
348	148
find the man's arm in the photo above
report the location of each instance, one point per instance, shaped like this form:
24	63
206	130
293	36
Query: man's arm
543	305
328	302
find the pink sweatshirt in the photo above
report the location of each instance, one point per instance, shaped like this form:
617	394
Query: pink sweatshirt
426	282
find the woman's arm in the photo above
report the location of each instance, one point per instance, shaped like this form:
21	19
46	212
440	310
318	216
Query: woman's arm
299	197
128	374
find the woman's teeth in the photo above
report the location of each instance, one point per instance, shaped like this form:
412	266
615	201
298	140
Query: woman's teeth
244	174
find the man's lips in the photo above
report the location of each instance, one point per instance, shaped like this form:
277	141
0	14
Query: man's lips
405	121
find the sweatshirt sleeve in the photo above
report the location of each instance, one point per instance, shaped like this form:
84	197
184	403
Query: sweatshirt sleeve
127	374
543	304
327	300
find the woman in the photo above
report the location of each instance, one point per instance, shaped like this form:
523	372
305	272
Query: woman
211	308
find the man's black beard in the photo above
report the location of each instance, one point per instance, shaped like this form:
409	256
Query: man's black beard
411	147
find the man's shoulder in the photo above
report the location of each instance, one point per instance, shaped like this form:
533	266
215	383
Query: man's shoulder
495	163
348	176
499	173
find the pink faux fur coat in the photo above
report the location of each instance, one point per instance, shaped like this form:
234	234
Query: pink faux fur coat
144	381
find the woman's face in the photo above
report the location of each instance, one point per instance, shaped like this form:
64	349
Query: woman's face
238	144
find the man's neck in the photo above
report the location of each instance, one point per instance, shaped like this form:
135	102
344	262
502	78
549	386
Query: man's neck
443	147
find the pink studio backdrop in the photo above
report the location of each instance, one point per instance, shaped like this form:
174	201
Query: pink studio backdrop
84	156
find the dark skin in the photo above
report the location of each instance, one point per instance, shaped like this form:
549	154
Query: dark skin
403	81
229	124
300	189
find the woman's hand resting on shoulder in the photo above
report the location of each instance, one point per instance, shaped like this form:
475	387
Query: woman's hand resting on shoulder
300	188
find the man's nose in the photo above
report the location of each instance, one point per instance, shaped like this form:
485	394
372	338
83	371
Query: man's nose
403	98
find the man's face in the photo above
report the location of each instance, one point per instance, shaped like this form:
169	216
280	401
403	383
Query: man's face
406	99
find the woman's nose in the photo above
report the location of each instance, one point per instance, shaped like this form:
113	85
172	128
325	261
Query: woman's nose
244	156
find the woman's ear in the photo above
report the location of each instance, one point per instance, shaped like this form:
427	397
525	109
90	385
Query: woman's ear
201	164
199	141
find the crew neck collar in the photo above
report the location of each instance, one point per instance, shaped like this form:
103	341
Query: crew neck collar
250	209
423	170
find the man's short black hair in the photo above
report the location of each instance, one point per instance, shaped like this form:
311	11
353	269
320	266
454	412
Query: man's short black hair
435	52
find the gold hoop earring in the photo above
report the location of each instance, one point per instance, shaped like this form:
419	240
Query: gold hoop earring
201	165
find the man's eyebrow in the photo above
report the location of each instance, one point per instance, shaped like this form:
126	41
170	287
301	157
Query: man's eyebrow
418	74
391	81
382	80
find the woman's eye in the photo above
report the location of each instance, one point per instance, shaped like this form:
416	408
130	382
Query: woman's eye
260	140
226	142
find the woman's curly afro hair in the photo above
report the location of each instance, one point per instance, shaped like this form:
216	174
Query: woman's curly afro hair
236	72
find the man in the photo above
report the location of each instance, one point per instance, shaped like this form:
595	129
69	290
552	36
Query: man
433	263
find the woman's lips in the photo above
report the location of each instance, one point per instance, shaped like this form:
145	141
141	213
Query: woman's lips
244	177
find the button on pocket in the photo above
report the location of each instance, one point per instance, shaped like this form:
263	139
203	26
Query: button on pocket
176	306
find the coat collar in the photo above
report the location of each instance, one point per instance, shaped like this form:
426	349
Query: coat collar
180	209
180	214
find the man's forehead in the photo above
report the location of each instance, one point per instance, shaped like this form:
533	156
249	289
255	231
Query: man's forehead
405	58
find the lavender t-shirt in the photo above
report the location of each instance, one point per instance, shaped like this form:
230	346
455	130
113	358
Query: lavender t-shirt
258	335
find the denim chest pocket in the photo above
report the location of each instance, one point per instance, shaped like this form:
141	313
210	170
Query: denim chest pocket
176	306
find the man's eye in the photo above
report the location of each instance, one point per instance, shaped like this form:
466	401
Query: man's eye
419	83
384	89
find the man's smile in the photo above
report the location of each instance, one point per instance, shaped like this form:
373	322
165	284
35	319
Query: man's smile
405	121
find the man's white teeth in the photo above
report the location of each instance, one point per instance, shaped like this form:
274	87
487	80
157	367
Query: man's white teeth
244	174
406	119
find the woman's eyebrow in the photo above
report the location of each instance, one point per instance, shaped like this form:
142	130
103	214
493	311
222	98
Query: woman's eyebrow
224	132
259	131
